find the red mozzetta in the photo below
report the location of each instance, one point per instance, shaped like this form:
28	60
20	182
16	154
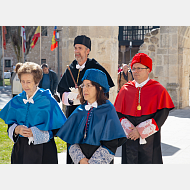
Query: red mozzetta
153	97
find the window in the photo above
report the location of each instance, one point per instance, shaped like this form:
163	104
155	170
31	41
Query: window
8	63
133	33
44	30
43	61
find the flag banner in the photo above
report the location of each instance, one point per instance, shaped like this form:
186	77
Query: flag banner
23	35
4	37
54	43
35	37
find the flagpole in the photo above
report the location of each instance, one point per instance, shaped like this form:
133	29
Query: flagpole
24	42
22	49
2	54
40	44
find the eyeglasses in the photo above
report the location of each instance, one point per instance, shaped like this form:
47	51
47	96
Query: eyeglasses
138	69
87	86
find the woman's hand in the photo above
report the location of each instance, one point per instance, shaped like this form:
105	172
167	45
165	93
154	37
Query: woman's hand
84	161
23	130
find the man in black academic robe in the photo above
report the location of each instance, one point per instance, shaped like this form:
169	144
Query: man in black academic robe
143	106
73	75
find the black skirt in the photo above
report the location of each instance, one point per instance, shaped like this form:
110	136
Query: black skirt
23	153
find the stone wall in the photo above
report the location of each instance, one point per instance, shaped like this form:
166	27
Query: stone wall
169	49
10	55
150	46
184	64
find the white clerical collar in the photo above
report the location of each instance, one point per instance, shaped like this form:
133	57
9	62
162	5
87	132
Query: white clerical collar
81	67
33	94
137	85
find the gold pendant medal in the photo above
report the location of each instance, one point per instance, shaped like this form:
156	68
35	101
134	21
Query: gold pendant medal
138	107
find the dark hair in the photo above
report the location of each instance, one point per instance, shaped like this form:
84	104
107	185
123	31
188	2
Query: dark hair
100	96
44	65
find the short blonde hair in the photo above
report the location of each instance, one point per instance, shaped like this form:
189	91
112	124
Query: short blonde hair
31	68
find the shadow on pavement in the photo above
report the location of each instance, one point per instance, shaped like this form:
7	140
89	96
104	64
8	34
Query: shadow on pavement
181	113
168	150
6	90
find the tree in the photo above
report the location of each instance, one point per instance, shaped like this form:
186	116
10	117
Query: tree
13	36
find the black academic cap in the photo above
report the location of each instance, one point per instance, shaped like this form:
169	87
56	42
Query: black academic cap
84	40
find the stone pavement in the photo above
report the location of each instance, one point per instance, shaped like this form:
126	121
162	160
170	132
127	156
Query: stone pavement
5	95
175	137
175	134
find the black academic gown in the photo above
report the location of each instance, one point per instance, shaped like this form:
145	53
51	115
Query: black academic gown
66	82
155	104
23	153
149	153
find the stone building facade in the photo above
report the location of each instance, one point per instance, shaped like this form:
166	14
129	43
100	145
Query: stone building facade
169	49
9	57
130	38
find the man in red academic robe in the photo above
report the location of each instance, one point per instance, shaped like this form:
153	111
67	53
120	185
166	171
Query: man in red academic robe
143	106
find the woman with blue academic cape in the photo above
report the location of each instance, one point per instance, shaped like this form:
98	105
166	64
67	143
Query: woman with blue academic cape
93	131
33	119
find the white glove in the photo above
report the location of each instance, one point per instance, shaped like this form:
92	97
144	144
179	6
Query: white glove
73	95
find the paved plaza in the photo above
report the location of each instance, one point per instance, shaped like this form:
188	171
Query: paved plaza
175	135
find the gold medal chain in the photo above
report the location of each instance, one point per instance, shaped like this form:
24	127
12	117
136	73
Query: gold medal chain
139	106
78	76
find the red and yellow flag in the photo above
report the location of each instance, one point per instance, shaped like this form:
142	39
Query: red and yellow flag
54	43
35	37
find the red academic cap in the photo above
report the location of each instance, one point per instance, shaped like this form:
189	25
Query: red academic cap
143	59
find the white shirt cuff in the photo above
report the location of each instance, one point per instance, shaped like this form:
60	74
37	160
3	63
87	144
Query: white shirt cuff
11	131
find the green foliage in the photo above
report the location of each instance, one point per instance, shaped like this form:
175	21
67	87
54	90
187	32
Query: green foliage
61	145
6	144
7	82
